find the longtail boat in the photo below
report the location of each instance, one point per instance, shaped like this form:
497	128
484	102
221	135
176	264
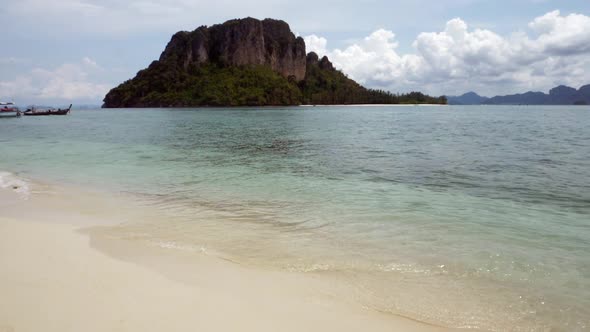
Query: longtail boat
48	111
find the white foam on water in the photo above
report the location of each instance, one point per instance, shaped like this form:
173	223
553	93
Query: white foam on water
176	246
12	182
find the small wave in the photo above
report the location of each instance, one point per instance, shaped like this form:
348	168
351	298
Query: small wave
316	267
410	268
13	182
177	246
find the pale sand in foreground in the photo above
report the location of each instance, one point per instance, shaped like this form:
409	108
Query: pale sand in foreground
52	279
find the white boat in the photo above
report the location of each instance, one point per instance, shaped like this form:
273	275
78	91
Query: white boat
9	109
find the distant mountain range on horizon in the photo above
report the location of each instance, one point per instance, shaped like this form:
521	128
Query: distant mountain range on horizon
560	95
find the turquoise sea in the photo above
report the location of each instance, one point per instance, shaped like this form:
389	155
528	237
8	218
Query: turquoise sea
465	216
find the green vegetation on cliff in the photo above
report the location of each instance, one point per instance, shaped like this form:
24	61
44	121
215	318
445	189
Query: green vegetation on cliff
208	84
324	85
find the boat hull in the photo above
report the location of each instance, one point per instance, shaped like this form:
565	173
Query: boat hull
37	113
48	112
10	114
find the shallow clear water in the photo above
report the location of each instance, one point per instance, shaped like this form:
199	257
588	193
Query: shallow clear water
464	216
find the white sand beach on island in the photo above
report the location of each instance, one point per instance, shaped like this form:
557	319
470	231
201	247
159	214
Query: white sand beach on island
53	279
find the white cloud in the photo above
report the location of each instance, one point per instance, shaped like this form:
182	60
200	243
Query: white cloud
460	59
563	35
68	82
316	44
89	62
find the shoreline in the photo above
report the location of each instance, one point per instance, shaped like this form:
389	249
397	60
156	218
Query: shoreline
60	274
372	105
269	106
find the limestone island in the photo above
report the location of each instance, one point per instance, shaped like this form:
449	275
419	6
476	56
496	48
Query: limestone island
246	62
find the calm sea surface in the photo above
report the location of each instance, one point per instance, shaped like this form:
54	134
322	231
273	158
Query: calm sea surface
463	216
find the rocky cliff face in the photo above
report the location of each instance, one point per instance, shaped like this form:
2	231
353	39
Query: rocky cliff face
323	63
241	42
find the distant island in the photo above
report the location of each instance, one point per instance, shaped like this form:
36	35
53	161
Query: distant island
561	95
246	62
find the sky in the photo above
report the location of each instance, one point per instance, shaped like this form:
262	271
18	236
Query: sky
62	51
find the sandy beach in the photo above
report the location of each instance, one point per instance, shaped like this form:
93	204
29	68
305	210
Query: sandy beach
58	274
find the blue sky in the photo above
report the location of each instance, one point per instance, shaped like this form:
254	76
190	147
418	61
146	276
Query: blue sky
57	51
